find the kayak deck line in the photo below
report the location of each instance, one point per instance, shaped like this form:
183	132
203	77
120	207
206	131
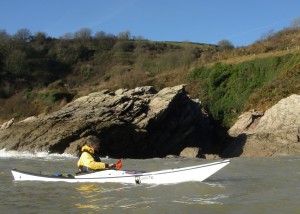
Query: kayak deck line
177	175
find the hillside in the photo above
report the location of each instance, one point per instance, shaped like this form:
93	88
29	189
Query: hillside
40	74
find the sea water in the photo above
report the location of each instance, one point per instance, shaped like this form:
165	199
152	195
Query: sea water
246	185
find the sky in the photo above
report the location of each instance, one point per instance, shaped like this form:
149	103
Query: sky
242	22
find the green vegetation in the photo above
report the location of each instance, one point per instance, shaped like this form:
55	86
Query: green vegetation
40	74
225	89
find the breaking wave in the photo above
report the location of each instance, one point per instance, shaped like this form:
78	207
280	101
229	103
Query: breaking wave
36	155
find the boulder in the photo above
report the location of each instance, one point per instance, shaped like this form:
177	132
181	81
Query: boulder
191	152
7	124
274	133
136	123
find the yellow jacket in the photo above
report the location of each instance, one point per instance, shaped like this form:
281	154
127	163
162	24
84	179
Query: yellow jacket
86	160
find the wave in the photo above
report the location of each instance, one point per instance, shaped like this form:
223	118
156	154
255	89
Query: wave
36	155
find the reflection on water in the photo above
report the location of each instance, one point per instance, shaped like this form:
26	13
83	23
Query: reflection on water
88	188
108	195
89	195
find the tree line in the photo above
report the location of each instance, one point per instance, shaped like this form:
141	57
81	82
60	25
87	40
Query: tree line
37	66
25	55
35	60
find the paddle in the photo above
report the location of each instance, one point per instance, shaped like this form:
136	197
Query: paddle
119	164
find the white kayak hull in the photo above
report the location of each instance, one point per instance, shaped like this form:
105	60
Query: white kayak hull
187	174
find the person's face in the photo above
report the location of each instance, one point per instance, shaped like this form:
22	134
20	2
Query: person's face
96	146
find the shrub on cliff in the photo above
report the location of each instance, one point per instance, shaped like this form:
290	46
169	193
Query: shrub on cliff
225	89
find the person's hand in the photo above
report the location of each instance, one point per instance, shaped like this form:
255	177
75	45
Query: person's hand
111	166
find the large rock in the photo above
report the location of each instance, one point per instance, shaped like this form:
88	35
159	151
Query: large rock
276	132
191	152
137	123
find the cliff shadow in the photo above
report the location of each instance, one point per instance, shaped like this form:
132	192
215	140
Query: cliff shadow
235	147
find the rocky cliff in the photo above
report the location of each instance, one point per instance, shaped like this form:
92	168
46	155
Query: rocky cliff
144	123
137	123
272	133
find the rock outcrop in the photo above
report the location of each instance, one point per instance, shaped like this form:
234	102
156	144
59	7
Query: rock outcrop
191	152
137	123
275	132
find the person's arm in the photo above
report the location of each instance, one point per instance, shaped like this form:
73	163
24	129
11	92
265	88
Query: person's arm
88	161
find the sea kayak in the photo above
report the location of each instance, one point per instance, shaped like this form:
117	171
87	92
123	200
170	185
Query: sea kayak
170	176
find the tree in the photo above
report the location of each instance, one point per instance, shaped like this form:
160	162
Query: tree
40	36
84	34
100	35
40	44
295	23
68	36
4	46
268	35
4	37
126	35
16	62
225	44
22	35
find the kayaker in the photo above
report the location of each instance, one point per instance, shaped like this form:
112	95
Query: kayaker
89	159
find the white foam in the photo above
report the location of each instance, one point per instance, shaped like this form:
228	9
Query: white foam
36	155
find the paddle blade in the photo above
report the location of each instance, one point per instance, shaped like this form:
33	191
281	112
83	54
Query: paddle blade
119	164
